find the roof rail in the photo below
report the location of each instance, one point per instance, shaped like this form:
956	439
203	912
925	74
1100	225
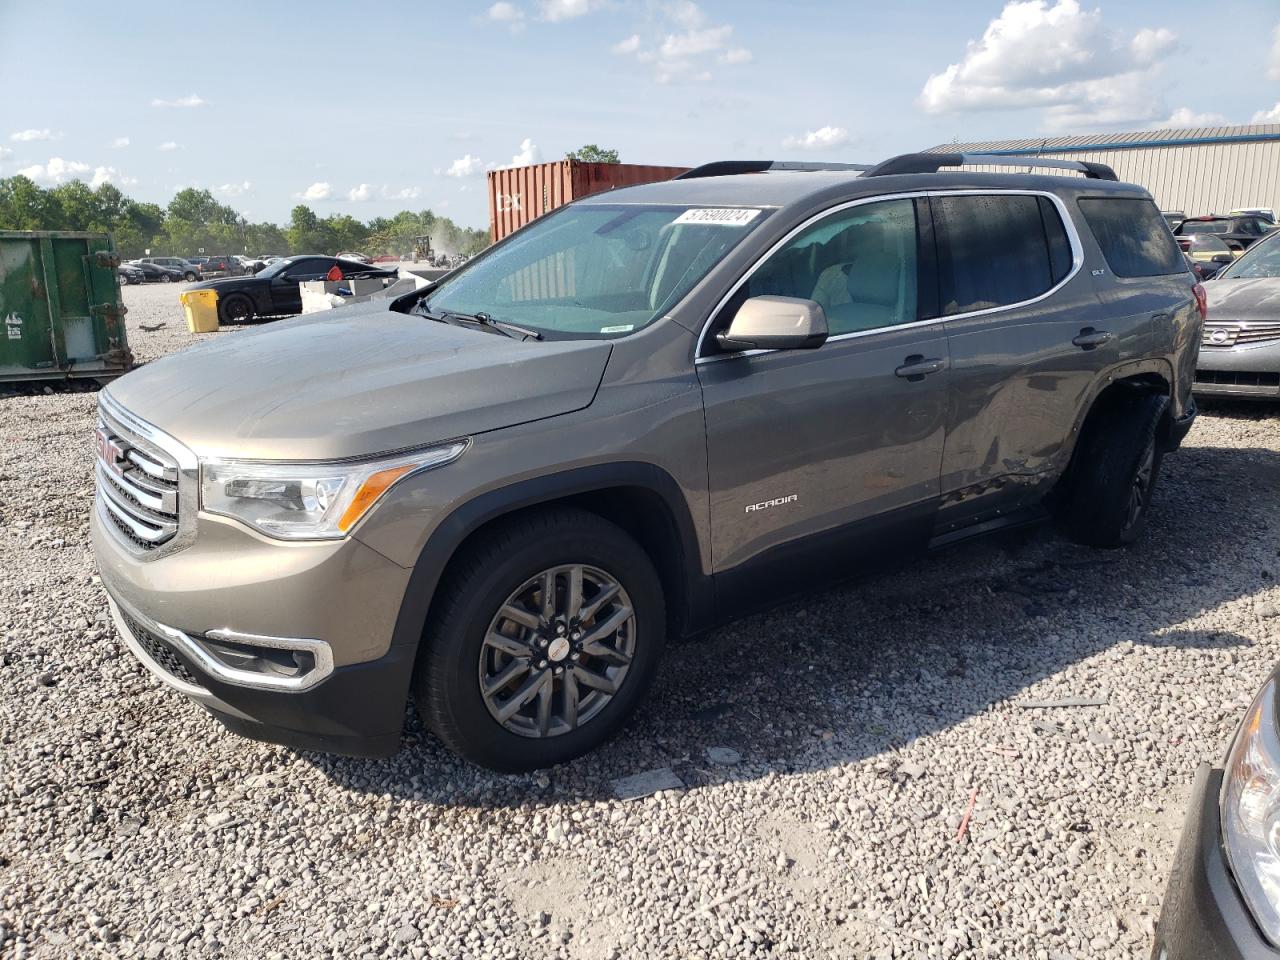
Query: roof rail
726	168
932	162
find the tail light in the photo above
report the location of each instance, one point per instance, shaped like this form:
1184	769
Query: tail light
1202	300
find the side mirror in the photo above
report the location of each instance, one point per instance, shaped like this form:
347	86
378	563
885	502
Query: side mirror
1223	258
776	323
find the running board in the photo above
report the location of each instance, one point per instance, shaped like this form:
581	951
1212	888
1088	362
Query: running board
1026	517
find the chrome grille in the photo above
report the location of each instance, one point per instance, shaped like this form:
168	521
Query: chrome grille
1218	334
137	486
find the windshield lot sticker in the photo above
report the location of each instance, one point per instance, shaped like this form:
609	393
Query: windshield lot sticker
718	216
620	328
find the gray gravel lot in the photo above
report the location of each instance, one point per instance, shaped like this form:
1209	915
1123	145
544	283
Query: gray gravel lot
858	725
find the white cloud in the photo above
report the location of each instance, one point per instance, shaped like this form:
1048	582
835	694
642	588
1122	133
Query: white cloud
1053	55
233	189
1186	117
169	146
508	14
1267	116
685	43
1273	64
554	11
56	171
820	139
317	191
529	153
103	175
5	152
465	166
404	193
190	100
120	142
27	136
361	193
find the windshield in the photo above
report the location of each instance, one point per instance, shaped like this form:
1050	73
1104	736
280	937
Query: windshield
274	268
596	270
1260	260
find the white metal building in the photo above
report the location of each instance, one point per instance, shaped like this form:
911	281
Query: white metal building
1198	171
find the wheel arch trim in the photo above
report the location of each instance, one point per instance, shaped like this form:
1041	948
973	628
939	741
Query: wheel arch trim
465	519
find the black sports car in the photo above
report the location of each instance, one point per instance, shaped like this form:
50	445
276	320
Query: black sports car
273	292
155	273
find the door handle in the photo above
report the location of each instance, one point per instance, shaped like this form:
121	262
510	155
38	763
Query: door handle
1090	338
916	367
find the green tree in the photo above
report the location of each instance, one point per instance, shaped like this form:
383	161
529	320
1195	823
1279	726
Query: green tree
593	154
307	233
24	206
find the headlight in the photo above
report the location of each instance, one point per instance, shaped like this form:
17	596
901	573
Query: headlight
309	501
1251	811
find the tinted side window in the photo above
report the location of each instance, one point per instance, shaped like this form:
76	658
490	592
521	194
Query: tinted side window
992	251
1055	235
1134	238
860	264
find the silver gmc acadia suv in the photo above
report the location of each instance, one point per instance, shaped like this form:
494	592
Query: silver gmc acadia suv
642	414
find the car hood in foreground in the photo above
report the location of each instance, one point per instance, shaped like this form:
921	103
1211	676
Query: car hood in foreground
356	381
1244	300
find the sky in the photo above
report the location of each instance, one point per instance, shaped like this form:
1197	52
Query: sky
371	108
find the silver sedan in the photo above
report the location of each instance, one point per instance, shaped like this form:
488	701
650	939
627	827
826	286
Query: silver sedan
1240	351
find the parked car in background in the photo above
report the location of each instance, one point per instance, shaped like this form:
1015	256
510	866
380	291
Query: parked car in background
358	257
273	291
128	273
155	273
1238	232
647	411
189	270
223	266
1210	252
1240	352
1173	217
1265	212
1223	897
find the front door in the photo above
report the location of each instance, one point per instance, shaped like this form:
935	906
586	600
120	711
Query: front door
822	460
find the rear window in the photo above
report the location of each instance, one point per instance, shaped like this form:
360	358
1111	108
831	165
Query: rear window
998	250
1134	238
1205	226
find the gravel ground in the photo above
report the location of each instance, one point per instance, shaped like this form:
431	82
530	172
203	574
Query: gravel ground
827	751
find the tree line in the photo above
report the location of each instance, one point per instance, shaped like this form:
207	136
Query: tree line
194	220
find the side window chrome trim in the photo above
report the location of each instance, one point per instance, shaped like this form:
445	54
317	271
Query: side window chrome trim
1073	236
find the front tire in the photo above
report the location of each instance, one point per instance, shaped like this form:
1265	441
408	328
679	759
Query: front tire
546	636
165	278
1117	466
237	308
189	277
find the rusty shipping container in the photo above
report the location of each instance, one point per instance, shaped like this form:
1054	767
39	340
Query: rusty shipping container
518	195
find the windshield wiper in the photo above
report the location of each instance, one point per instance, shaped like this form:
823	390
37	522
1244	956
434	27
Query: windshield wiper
482	319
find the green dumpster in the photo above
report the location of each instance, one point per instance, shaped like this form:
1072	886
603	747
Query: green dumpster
60	309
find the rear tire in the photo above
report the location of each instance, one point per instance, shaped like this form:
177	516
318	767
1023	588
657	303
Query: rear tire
1116	468
471	642
165	278
189	277
236	308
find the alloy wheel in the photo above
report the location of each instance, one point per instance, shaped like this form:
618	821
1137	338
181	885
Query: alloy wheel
557	651
1140	489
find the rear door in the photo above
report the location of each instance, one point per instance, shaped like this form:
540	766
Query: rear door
1027	344
821	461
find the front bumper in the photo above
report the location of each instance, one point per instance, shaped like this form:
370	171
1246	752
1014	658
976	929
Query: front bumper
1251	370
341	597
356	709
1203	915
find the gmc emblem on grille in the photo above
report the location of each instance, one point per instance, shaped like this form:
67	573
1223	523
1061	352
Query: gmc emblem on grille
109	452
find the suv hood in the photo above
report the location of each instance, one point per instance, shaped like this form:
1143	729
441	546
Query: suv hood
356	381
1257	298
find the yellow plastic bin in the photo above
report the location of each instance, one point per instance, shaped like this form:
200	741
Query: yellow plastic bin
201	307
